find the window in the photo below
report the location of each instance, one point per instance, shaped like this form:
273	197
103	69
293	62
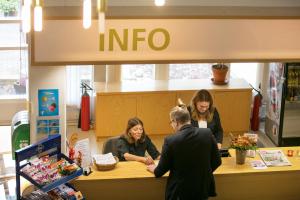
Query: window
9	8
247	71
189	71
76	75
13	52
138	72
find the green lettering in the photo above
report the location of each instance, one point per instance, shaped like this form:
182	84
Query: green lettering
151	41
101	42
113	34
136	39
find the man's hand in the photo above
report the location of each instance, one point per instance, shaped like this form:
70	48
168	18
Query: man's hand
148	160
151	168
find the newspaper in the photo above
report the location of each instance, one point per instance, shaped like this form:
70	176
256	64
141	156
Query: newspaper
274	158
104	159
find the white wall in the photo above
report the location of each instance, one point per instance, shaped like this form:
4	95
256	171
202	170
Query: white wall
47	78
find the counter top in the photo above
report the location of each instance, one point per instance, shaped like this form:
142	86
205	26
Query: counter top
229	167
168	85
136	170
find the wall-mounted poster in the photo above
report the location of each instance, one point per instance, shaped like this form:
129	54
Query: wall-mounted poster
48	102
47	126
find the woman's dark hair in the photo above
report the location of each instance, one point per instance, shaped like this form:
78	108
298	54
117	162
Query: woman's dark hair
200	96
132	123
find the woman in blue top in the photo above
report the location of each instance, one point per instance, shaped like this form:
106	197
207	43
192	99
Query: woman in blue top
134	143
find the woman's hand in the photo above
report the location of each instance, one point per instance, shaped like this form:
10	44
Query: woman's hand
148	160
219	145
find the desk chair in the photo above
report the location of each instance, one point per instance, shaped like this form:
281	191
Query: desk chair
110	145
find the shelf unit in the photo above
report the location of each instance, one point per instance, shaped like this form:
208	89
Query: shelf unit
50	146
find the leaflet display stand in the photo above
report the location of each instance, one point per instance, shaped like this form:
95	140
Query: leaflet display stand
50	146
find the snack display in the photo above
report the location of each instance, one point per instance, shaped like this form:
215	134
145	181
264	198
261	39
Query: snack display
62	192
50	173
45	170
65	192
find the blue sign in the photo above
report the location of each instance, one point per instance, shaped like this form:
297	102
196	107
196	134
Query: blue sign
48	102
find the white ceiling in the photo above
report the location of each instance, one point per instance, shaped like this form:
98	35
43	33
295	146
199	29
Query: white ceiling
243	3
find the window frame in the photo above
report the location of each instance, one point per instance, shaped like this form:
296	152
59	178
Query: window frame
21	47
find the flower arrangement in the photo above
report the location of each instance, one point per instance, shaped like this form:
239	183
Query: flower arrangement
243	143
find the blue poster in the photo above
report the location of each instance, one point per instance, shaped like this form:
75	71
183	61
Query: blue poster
47	126
48	102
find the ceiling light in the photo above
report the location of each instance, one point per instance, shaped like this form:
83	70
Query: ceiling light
38	16
26	16
101	22
101	8
87	14
160	2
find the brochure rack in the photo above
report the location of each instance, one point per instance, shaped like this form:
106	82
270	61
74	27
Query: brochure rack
50	146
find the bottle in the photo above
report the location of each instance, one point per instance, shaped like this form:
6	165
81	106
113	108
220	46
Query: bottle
296	85
290	85
289	78
298	77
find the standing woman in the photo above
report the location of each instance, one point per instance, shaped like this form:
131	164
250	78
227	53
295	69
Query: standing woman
134	143
205	115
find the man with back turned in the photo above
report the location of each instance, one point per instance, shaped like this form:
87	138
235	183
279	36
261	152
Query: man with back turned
191	155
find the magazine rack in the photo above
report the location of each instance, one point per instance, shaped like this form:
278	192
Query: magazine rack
50	146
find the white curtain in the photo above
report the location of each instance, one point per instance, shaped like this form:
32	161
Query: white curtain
75	75
73	86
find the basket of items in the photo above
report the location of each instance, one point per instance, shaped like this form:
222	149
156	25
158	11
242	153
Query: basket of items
104	162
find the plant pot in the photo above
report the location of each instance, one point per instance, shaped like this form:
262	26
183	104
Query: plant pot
219	73
12	13
240	156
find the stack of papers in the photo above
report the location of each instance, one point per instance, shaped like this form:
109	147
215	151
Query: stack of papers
104	159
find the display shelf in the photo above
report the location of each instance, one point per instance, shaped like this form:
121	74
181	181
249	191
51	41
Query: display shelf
73	197
50	146
292	102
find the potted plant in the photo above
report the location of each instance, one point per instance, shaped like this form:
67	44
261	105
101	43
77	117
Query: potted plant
219	72
9	7
242	144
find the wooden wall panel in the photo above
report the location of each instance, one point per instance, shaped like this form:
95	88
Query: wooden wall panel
113	112
154	111
234	109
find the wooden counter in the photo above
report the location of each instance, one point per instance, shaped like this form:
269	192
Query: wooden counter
152	101
130	180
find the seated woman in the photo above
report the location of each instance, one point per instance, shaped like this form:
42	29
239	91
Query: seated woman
133	144
205	115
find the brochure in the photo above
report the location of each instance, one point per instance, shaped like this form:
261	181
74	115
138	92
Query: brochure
274	158
83	153
258	164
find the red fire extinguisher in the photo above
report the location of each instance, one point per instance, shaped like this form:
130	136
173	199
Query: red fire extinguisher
255	111
84	120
